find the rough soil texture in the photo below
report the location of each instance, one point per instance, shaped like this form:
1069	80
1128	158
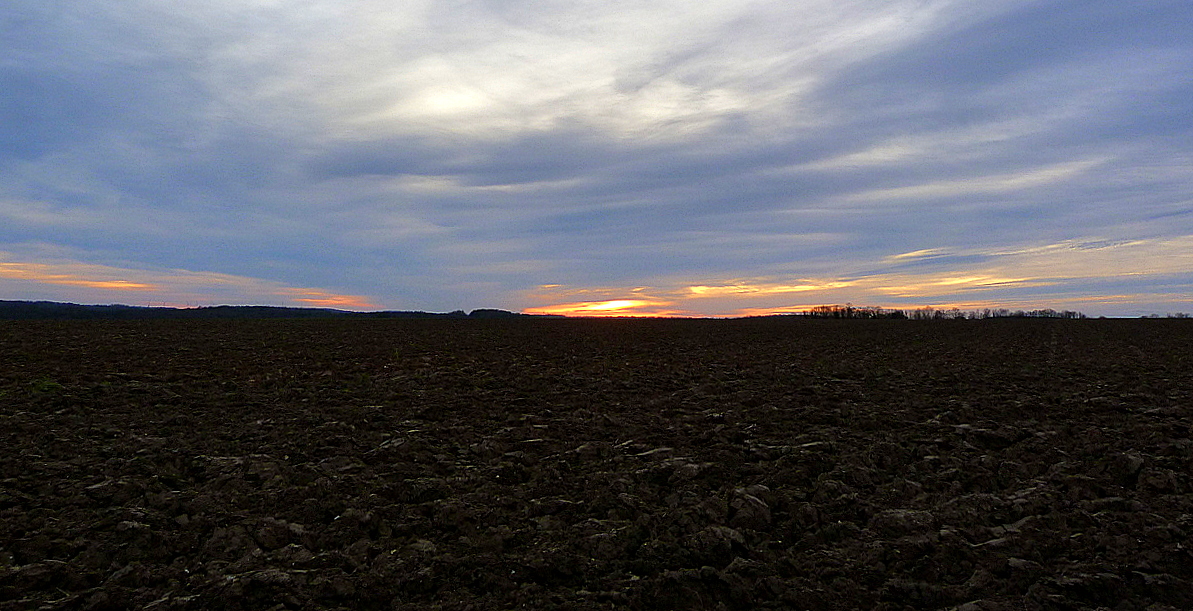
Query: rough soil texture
571	464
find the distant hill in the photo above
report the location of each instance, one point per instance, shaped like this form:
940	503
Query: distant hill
52	310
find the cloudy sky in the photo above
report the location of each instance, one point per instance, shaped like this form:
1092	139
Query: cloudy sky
723	157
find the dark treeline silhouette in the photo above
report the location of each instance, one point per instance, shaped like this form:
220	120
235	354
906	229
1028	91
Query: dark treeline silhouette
863	312
51	310
851	311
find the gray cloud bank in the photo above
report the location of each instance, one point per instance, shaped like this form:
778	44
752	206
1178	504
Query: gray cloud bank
439	155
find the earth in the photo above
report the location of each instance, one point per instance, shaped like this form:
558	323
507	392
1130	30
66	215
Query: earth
775	463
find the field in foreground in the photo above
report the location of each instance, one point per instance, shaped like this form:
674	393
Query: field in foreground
573	464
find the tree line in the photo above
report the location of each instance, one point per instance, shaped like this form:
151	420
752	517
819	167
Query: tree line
52	310
868	312
862	312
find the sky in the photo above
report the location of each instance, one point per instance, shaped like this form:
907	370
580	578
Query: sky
611	157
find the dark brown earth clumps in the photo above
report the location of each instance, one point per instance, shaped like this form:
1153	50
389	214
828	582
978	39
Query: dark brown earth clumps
572	464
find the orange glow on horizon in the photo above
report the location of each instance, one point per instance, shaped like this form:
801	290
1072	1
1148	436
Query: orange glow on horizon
638	308
616	304
174	286
324	299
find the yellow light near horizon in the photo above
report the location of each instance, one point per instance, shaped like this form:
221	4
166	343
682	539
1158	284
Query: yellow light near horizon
614	307
123	285
616	304
1026	277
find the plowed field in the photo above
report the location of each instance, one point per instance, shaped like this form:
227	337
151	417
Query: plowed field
582	464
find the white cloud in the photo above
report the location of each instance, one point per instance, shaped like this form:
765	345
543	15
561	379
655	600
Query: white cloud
1033	178
486	69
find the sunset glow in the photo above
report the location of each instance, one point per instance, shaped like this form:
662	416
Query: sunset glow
324	299
616	307
936	280
173	288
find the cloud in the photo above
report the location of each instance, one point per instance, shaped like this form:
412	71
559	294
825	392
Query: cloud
754	288
111	284
324	299
918	255
68	275
436	156
1031	179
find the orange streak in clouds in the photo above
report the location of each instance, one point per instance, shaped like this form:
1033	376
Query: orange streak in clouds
39	273
324	299
175	285
121	285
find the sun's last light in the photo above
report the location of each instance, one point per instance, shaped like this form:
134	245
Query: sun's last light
614	307
1076	274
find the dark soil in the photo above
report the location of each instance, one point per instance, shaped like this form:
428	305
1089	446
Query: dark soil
572	464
